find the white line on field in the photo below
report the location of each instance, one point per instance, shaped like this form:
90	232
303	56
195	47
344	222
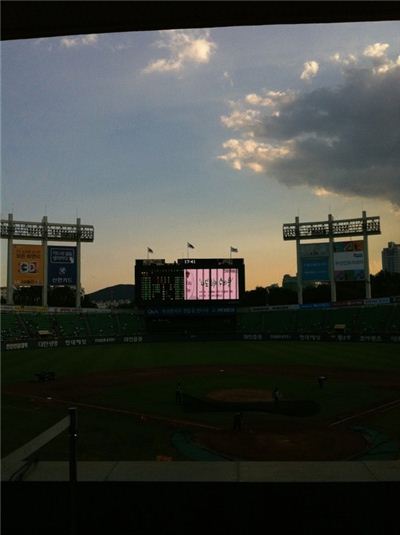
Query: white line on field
385	406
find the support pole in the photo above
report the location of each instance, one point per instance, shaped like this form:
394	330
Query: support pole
366	258
78	263
331	266
299	270
45	277
10	297
73	436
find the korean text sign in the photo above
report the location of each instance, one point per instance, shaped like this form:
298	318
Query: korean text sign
61	266
28	265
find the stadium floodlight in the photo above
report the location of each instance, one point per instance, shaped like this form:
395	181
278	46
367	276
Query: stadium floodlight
334	264
44	231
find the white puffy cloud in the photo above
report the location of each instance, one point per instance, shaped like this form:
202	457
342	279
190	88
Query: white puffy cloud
240	118
346	60
254	155
376	50
269	98
183	48
80	40
342	139
310	69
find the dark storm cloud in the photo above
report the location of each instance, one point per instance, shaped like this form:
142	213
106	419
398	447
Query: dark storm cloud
347	139
344	139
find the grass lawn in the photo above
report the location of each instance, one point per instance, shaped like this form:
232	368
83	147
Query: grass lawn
22	365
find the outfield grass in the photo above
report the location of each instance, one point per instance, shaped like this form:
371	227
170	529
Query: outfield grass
22	365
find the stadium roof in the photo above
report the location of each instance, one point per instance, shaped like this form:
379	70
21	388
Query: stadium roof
24	20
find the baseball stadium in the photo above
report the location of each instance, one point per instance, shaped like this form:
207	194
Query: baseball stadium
199	404
188	374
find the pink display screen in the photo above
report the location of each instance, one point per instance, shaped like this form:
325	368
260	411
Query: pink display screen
211	284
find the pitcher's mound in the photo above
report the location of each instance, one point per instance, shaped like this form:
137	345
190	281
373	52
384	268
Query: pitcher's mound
240	394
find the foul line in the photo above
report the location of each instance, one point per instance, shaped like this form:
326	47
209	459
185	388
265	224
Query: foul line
126	411
385	406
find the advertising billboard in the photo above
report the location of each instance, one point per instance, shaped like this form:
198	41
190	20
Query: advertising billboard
211	284
315	261
348	261
61	266
28	265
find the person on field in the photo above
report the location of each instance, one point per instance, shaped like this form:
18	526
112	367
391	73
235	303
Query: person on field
178	394
321	380
276	395
237	421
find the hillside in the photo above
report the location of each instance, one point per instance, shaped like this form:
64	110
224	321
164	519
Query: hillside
117	292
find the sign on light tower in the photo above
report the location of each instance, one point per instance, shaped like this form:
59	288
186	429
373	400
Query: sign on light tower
333	261
44	231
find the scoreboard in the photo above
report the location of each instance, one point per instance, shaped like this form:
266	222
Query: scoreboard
189	280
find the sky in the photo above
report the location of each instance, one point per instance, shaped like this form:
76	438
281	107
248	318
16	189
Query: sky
215	137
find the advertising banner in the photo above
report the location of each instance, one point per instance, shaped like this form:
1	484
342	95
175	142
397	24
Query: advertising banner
28	265
61	268
348	260
211	284
314	261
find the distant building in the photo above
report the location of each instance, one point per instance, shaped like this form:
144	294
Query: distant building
111	303
289	282
391	258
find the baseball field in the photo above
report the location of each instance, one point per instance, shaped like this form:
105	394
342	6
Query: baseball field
129	409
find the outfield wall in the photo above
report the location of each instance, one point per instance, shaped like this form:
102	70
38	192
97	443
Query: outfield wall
211	337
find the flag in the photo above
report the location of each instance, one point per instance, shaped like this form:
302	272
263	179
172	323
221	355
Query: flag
190	245
150	250
234	250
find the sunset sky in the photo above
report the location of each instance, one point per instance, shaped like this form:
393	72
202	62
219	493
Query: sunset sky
216	137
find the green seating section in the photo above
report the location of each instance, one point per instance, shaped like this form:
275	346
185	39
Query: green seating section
379	319
282	321
102	324
310	321
342	316
72	325
38	321
393	320
12	328
130	323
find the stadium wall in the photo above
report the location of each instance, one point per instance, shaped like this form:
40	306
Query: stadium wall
250	330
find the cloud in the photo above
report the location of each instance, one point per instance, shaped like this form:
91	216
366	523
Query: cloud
80	40
376	50
347	60
310	70
342	139
184	48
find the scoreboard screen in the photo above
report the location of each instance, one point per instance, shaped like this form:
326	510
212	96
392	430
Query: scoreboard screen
189	280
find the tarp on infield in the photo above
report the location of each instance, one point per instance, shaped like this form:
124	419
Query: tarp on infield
182	441
381	446
285	406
